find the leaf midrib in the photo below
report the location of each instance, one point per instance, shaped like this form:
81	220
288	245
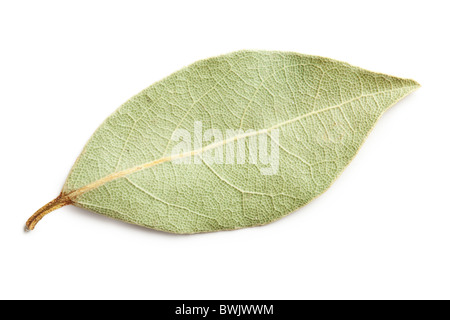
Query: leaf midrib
72	195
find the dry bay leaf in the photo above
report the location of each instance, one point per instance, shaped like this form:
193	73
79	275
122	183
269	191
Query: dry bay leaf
171	158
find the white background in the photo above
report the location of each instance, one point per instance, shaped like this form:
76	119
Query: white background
382	231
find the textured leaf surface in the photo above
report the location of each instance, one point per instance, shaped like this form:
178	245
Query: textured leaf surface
323	109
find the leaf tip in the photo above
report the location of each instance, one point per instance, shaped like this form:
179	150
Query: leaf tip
411	85
416	85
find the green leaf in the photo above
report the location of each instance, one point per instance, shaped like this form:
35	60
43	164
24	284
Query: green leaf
313	113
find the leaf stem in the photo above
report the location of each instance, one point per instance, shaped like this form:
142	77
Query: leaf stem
56	203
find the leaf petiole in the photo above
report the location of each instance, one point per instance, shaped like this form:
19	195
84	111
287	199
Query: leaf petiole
58	202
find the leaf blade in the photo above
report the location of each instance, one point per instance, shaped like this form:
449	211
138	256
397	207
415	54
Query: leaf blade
312	100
